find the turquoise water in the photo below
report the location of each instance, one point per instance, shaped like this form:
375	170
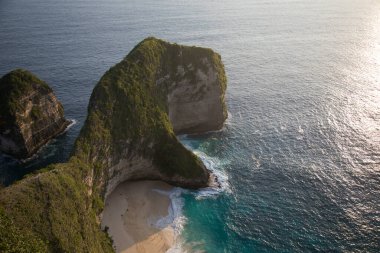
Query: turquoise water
301	149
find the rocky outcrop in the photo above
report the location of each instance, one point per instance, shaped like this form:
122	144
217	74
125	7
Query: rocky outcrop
159	90
30	114
135	111
195	84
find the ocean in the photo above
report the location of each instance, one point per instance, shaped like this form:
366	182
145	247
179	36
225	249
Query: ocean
299	156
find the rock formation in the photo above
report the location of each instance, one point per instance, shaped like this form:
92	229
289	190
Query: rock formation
158	90
30	114
135	110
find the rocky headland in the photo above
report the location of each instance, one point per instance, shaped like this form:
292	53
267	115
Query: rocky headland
30	114
135	111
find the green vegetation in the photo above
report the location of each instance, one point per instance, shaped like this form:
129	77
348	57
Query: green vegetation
57	208
128	110
36	113
51	212
17	240
13	86
28	112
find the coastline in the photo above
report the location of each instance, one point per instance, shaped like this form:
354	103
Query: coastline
71	123
131	216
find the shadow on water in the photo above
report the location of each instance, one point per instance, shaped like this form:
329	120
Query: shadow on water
56	151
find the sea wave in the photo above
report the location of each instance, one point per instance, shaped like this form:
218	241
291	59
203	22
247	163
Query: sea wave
176	219
219	178
72	123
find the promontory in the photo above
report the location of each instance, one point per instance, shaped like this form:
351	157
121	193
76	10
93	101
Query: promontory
135	111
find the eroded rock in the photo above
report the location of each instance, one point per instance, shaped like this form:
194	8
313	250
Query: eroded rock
30	114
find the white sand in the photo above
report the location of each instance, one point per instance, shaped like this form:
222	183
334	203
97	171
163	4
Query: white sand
131	213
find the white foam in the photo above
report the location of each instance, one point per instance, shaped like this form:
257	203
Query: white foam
72	123
177	248
219	178
300	130
229	120
175	218
218	184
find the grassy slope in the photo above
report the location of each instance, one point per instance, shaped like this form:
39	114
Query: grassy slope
52	210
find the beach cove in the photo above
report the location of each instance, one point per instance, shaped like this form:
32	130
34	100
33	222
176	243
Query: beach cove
132	213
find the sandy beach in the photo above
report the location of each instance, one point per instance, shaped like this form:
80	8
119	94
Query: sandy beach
131	212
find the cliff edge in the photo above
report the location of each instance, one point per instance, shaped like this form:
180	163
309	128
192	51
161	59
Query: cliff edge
135	111
139	105
30	114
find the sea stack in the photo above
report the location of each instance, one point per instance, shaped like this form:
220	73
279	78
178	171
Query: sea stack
30	114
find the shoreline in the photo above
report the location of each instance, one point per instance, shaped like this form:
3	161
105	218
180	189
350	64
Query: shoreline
71	123
131	216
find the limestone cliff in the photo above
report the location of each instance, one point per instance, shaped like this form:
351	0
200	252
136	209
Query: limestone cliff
30	114
158	90
194	82
135	110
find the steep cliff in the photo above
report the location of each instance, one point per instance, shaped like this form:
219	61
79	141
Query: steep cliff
30	114
158	90
134	113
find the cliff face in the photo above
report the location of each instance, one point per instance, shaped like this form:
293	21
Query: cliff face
30	114
195	83
138	106
135	110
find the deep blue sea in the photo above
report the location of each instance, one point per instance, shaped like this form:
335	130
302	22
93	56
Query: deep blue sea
299	156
